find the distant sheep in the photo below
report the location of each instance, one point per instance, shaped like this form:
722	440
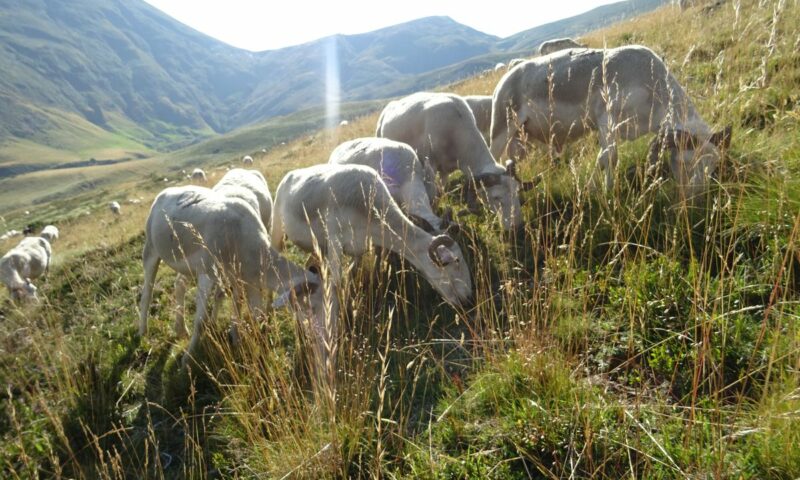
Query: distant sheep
556	44
440	127
199	176
344	123
50	233
499	66
514	62
247	161
10	234
115	208
563	96
481	106
29	260
250	186
203	234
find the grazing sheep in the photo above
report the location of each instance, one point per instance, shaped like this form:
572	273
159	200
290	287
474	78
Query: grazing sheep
344	209
481	106
199	176
514	62
29	260
441	128
250	186
499	66
344	123
50	233
401	171
10	234
645	98
549	46
247	161
115	207
203	234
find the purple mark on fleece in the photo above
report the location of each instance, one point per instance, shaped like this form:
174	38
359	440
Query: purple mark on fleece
391	173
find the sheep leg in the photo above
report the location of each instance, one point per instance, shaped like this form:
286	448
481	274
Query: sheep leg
181	283
150	262
607	158
277	233
206	289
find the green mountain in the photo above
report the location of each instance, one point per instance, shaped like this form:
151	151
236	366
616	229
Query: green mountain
119	79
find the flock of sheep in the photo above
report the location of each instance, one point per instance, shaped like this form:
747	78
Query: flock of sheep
382	191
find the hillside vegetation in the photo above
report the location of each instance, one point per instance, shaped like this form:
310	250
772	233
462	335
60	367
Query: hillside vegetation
620	334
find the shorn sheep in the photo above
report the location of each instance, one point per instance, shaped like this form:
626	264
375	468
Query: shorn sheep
249	186
50	233
557	44
622	93
254	185
481	107
440	127
203	234
335	210
199	176
247	161
29	260
401	171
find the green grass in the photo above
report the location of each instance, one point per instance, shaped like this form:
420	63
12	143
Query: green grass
618	335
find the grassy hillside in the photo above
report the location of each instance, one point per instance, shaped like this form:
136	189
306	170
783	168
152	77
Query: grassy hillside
42	186
620	334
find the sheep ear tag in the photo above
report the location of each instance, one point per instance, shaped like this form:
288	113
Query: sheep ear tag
445	255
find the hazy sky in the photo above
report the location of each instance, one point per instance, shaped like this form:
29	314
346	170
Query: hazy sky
263	25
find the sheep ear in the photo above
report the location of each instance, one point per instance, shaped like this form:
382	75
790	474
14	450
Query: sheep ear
722	138
300	290
680	139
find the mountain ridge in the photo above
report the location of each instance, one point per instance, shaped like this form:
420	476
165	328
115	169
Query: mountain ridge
150	82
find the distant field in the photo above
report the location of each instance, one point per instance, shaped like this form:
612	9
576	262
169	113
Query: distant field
23	191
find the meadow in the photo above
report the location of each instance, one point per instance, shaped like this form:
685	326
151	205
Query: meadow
621	334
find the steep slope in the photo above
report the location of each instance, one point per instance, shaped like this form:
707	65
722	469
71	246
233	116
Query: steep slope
529	40
114	58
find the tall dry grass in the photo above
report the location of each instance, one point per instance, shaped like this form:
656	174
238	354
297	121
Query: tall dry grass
619	334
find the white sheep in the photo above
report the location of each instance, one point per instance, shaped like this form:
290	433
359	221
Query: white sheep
50	233
10	234
249	186
563	96
481	107
499	66
557	44
115	208
440	127
514	62
344	123
206	235
336	210
199	176
247	161
29	260
401	171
